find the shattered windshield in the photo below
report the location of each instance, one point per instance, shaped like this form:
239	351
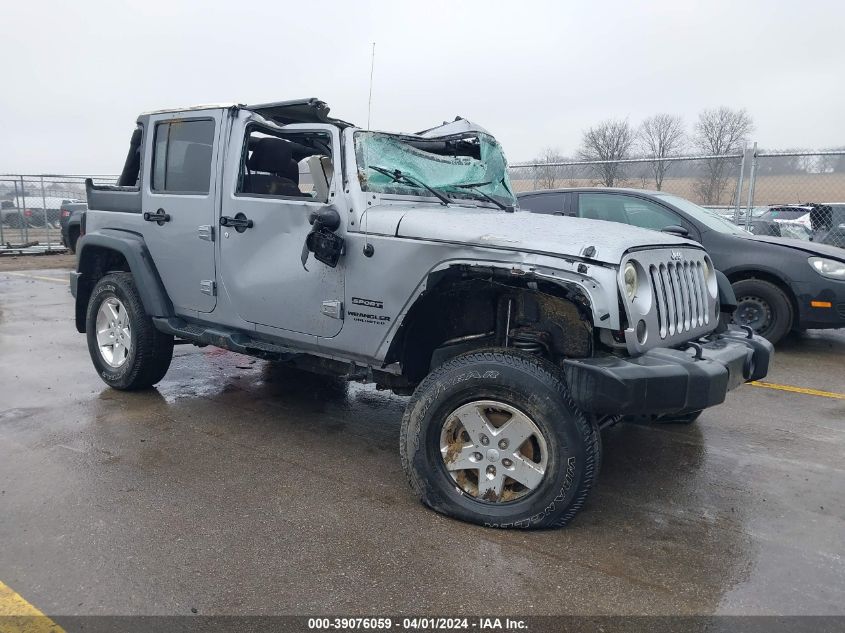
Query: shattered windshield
465	168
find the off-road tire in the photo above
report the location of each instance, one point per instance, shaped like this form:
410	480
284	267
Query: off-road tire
529	384
781	307
151	351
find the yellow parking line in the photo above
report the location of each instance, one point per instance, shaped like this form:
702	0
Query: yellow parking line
18	616
804	390
55	279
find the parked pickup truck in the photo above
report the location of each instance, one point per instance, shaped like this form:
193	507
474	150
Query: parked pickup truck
277	231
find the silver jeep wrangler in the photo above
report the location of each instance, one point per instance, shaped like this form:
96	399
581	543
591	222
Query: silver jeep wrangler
276	231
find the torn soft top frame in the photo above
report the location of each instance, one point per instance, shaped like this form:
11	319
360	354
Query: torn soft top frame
311	110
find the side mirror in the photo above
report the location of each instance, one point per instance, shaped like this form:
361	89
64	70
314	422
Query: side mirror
325	217
321	240
675	229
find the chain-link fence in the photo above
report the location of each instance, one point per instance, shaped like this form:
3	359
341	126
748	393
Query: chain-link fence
712	180
33	209
792	194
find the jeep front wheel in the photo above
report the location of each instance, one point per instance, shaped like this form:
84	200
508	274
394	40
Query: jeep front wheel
492	437
126	348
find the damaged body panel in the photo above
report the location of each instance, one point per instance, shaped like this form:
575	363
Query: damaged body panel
532	233
280	232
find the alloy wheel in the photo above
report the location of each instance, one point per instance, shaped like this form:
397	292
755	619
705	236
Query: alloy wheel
493	451
114	333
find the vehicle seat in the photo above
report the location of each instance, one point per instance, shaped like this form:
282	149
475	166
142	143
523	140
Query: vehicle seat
321	169
280	173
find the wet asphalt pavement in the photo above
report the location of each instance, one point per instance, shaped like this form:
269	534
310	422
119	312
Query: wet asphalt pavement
238	487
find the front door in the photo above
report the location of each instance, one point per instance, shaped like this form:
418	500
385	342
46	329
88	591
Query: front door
274	179
179	204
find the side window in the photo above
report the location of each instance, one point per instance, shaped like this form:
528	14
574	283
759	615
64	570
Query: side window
286	165
602	206
626	209
649	215
551	203
182	156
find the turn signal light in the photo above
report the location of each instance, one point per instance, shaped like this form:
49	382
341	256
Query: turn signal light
821	304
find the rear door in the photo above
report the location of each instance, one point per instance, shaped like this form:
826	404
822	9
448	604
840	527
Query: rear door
180	201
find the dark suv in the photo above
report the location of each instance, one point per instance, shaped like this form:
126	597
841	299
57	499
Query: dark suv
780	284
828	223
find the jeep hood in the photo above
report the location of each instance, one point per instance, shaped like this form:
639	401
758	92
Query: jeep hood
532	232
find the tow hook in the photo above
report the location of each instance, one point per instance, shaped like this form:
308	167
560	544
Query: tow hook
699	351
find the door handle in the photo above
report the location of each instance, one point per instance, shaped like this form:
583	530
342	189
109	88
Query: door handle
159	217
240	222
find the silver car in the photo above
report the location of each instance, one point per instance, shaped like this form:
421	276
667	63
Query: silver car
405	262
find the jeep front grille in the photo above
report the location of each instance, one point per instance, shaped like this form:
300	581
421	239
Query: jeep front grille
675	299
680	296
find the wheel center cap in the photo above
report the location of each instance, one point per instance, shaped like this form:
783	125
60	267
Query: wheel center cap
492	454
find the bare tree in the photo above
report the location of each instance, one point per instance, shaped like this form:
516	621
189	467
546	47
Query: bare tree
779	165
545	175
661	136
610	140
719	132
831	164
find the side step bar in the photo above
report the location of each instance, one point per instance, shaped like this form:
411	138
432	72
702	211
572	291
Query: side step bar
227	339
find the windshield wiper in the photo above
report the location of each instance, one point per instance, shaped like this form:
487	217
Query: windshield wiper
398	176
475	187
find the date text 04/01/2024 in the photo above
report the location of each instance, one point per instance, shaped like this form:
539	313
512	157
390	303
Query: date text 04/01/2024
417	624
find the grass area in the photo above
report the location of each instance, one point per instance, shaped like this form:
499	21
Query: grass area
779	189
35	262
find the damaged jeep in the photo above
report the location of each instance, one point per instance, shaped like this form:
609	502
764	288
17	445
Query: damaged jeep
277	231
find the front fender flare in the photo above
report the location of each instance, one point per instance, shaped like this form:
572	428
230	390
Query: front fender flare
603	313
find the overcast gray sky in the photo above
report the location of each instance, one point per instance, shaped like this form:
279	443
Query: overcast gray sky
536	74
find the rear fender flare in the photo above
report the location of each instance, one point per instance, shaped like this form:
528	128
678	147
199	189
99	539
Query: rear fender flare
133	249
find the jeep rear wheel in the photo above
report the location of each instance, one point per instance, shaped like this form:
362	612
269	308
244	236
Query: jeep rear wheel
492	437
126	348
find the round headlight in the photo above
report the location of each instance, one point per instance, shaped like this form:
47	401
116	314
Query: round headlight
629	276
708	270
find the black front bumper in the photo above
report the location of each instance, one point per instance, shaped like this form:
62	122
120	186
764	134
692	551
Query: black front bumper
668	380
